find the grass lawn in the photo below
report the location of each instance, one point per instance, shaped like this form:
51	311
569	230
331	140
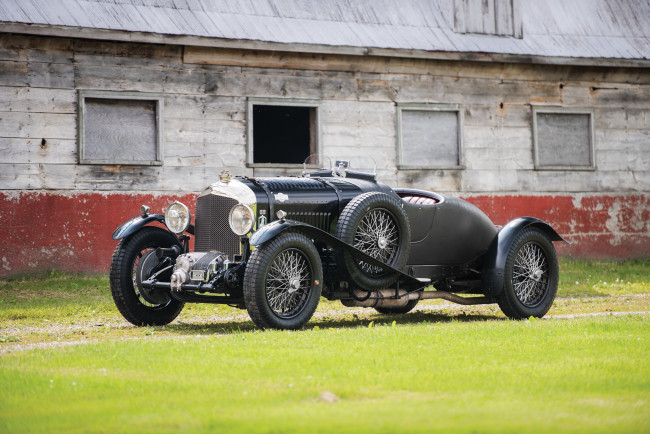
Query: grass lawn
441	368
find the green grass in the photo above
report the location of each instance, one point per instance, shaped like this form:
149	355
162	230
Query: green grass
589	375
441	368
603	278
58	295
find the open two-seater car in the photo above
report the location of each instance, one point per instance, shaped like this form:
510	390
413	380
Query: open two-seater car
274	246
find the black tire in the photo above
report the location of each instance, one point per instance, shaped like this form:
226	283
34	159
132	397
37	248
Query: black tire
530	276
135	306
282	282
389	243
397	310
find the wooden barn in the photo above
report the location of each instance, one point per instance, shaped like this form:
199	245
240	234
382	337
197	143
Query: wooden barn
523	107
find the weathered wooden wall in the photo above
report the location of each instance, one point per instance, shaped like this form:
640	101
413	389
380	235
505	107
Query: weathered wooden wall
204	126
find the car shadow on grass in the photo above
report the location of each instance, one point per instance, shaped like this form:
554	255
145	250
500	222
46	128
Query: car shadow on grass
350	321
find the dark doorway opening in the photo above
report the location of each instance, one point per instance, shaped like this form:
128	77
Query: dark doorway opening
283	134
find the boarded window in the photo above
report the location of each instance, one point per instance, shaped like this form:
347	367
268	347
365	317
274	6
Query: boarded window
118	128
563	139
281	134
429	137
488	17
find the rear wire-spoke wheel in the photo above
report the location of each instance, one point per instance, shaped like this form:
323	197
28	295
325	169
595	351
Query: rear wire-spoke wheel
132	263
282	282
531	276
376	224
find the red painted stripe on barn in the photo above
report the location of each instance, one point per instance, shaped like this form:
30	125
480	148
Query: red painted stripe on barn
72	232
599	225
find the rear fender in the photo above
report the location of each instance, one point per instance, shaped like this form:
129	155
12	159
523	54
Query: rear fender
495	259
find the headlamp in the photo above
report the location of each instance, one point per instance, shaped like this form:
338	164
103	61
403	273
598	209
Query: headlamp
177	217
241	219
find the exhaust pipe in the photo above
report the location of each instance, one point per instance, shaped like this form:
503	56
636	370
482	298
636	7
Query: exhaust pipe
384	298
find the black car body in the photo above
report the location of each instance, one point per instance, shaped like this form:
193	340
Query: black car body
275	245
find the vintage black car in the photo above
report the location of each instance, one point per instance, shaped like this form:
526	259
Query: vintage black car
276	245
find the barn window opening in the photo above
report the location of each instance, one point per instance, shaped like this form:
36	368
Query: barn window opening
429	136
281	133
563	139
120	128
488	17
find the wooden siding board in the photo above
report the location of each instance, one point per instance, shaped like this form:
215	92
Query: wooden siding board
38	49
368	66
51	75
105	178
210	155
627	118
53	151
89	52
209	107
38	125
197	130
14	73
494	115
37	100
139	79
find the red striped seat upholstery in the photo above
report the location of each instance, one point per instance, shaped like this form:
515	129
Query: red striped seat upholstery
419	200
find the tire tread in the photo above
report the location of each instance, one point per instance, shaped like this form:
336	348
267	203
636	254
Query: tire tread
122	289
507	299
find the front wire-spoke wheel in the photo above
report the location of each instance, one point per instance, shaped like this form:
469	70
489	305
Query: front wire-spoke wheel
288	283
133	261
531	275
282	282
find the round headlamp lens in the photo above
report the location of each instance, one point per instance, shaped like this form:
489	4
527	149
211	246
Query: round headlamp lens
177	217
241	219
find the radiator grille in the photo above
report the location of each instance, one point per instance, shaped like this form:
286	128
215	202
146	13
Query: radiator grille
212	230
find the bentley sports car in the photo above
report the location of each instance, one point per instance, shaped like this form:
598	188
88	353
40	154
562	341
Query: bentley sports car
275	245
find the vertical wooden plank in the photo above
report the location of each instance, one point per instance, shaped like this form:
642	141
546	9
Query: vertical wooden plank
488	19
474	16
503	17
460	16
517	27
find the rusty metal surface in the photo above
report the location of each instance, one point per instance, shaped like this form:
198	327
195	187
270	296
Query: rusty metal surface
611	29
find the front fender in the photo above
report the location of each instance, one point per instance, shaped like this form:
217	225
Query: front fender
495	259
135	224
271	230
